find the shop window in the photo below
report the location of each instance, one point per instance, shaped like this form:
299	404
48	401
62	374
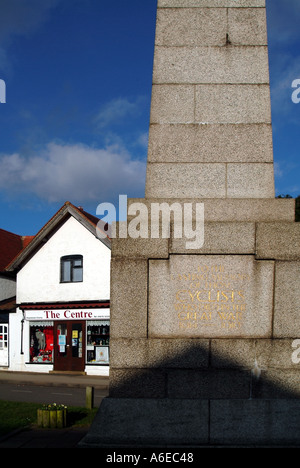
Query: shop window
77	340
71	269
97	348
41	342
62	333
3	337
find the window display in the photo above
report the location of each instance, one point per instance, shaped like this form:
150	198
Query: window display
90	343
98	342
41	342
77	340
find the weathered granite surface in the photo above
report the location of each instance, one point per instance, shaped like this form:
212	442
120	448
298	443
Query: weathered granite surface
205	342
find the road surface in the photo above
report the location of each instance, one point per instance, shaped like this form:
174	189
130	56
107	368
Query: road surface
69	396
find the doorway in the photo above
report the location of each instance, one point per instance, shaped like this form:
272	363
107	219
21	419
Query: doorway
69	346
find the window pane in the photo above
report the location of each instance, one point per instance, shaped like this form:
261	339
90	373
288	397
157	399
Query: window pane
41	343
3	337
77	262
98	342
62	333
66	270
77	274
77	340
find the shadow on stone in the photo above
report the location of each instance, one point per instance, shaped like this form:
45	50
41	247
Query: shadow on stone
203	399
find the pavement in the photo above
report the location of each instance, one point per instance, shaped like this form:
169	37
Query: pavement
54	379
33	437
44	438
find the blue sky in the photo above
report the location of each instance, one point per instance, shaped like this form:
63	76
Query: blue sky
75	123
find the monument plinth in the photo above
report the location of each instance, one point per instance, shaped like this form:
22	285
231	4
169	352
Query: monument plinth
203	336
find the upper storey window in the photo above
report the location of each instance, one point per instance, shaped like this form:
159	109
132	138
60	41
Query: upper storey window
71	269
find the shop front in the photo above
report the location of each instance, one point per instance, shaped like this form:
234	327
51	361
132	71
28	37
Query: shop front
67	340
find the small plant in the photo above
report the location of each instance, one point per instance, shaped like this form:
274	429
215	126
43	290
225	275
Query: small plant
54	407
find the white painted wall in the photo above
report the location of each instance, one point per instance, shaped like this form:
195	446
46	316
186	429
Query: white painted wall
16	359
39	281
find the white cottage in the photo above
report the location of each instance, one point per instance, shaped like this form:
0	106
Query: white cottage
62	320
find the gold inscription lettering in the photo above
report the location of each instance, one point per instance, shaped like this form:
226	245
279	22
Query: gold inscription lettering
212	296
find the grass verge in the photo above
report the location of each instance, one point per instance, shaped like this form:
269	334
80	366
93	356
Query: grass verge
15	415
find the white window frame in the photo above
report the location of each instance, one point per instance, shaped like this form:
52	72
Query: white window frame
3	337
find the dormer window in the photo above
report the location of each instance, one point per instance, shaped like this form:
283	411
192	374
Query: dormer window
71	269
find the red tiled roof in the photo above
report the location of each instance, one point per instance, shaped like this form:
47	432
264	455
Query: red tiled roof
10	246
26	240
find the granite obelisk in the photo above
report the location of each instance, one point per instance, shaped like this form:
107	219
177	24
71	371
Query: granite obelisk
204	340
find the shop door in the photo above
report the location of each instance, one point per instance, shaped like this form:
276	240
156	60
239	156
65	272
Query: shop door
69	345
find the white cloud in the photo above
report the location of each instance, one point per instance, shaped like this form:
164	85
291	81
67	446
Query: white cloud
278	172
73	172
143	139
119	109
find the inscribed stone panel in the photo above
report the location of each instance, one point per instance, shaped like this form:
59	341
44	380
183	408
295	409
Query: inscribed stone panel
210	296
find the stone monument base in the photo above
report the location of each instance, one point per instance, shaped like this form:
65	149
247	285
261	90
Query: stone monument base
205	343
143	423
